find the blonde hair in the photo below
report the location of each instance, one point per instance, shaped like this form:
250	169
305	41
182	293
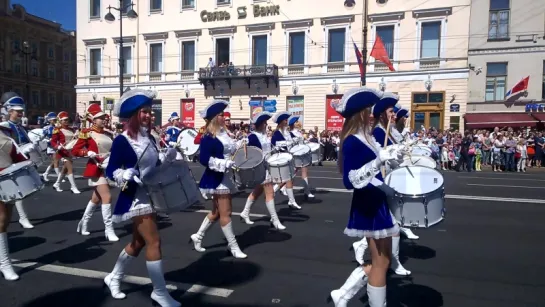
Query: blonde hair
278	125
213	127
351	126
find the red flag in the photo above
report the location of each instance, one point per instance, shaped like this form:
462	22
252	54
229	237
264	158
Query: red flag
380	54
360	59
522	85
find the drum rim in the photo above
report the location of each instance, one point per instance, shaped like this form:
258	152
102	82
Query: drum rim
442	186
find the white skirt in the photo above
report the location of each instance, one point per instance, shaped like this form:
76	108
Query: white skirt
98	181
227	185
141	205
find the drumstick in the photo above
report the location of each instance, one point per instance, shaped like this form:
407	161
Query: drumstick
383	168
245	150
125	185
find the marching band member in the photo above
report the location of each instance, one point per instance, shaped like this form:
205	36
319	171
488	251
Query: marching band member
216	150
298	137
173	131
134	154
156	134
14	106
50	117
227	117
397	129
259	139
197	141
360	160
9	154
61	137
282	138
95	143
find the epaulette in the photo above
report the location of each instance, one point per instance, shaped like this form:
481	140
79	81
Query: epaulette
56	130
84	134
202	130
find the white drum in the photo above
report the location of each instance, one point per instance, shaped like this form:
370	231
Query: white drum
186	140
281	167
250	171
419	161
19	181
172	187
421	150
315	152
301	155
38	157
420	196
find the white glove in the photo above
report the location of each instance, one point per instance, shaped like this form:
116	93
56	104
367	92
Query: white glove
27	150
129	174
91	154
389	154
60	147
172	144
229	164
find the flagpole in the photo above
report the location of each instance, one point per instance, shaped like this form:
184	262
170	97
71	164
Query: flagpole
364	39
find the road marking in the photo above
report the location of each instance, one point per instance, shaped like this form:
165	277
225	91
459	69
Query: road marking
509	179
503	186
136	280
232	213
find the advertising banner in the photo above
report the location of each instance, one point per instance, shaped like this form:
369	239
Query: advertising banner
296	106
187	112
333	120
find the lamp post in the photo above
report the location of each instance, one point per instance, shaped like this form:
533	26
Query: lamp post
335	87
131	14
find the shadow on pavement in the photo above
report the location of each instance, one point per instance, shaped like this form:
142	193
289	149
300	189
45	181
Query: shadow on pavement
22	243
65	217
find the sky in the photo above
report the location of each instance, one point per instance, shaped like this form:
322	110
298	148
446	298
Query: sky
61	11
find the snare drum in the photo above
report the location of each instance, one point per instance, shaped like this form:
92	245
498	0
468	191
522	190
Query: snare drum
250	171
171	187
421	150
315	152
420	196
281	167
301	155
186	140
37	157
419	161
19	181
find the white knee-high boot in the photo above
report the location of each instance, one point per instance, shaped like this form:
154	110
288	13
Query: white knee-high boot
274	216
396	265
113	280
245	214
5	262
160	293
307	188
353	284
23	219
199	236
291	199
73	185
376	296
82	225
45	175
359	249
232	241
108	224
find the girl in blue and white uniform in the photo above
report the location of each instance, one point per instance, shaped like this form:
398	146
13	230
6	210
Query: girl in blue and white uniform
298	136
51	118
135	154
259	139
360	162
216	152
282	139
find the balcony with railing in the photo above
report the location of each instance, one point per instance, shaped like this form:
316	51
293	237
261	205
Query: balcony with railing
248	73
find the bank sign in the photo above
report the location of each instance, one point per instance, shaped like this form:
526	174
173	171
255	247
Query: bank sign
259	11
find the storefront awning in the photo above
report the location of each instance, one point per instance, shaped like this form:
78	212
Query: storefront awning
539	116
491	120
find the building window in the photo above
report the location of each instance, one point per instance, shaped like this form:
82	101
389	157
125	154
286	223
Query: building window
51	72
223	51
50	52
498	23
335	45
16	45
94	9
126	6
17	66
386	34
66	56
34	68
259	50
297	48
188	55
496	77
156	57
155	5
35	98
65	100
34	49
188	4
51	99
223	2
127	60
455	123
66	76
95	58
431	97
543	85
431	40
2	61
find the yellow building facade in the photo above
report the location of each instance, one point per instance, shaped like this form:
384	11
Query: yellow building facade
288	55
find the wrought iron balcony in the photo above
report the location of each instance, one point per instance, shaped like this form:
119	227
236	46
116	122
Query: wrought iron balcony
267	73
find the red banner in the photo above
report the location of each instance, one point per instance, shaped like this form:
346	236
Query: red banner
333	120
187	112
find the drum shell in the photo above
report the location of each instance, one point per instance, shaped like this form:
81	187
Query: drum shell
421	211
172	187
281	172
22	181
302	159
315	154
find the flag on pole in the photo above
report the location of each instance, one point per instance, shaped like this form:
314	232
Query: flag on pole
360	59
380	54
522	85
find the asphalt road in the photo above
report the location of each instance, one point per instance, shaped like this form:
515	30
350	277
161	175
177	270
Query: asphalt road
488	252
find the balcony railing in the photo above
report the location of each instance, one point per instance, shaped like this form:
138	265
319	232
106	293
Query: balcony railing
209	75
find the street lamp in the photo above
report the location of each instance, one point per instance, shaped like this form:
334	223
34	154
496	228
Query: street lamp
131	14
294	87
187	91
335	86
382	85
429	83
